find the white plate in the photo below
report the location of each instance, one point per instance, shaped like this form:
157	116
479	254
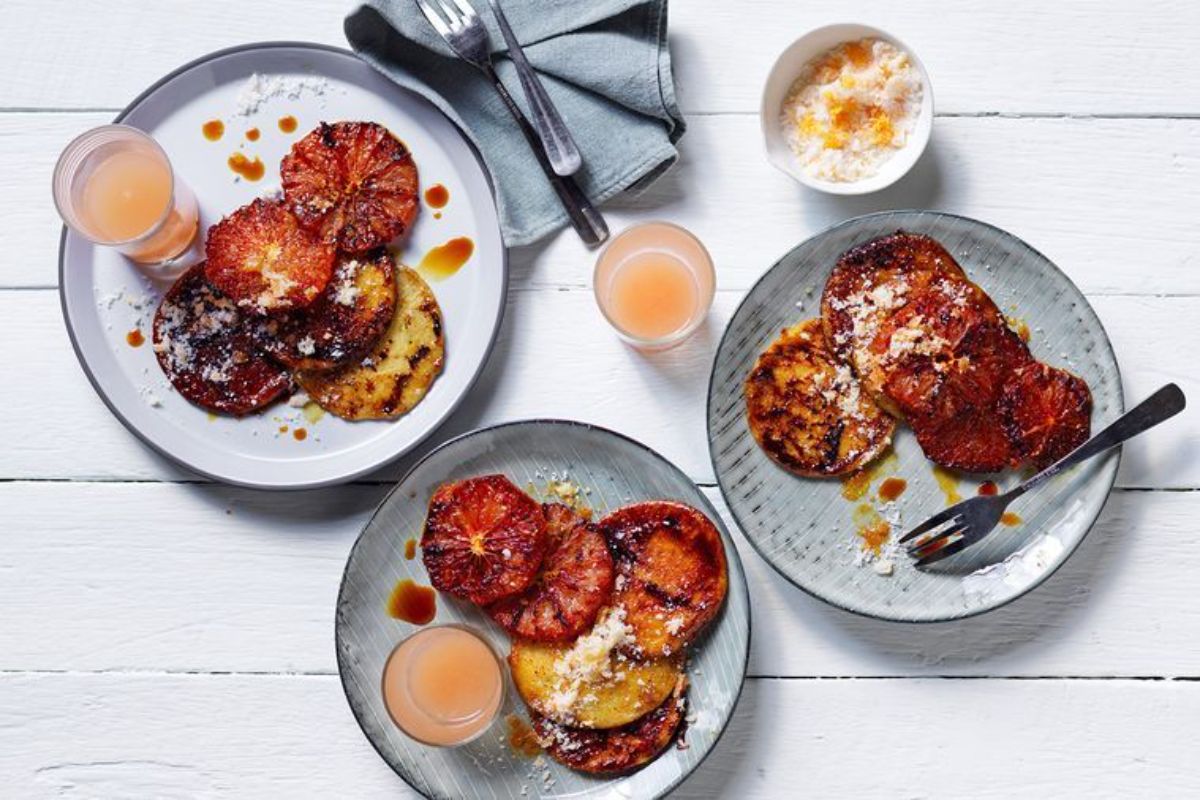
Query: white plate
101	291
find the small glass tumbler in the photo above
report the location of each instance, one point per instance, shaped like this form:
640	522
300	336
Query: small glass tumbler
654	283
115	186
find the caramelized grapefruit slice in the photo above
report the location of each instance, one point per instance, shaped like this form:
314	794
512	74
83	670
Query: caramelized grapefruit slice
1047	413
262	259
345	321
352	183
207	353
484	539
574	583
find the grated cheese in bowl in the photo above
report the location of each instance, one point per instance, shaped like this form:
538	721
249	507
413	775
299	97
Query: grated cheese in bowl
851	109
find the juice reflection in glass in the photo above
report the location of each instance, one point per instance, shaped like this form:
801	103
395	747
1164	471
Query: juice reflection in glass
654	283
115	186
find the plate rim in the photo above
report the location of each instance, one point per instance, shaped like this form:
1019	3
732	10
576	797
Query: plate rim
344	476
571	423
966	613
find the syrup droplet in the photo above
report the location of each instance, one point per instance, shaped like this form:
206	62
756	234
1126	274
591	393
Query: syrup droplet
250	169
135	338
213	130
446	259
287	124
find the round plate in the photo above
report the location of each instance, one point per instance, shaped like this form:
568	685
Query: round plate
614	471
104	295
808	530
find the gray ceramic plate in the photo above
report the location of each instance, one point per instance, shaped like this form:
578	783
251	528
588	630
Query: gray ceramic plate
616	471
805	527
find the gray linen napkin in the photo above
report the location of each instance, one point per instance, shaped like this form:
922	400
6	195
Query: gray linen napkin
605	64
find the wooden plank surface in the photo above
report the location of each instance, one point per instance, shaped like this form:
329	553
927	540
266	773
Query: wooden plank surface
534	372
184	578
1123	193
164	638
1075	57
203	736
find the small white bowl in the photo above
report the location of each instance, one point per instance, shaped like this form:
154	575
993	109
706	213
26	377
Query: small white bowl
785	71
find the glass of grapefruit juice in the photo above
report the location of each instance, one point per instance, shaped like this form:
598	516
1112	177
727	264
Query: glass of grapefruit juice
654	283
115	186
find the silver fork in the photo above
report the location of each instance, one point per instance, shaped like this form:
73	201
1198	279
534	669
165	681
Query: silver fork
465	33
963	524
556	139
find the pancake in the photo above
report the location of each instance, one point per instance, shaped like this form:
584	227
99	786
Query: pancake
398	370
671	573
614	750
807	411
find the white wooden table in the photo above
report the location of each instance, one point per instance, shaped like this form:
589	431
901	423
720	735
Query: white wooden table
165	637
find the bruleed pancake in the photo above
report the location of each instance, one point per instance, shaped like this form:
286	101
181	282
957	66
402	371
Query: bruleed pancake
598	681
573	585
207	352
351	183
671	572
807	410
343	323
262	259
615	750
398	370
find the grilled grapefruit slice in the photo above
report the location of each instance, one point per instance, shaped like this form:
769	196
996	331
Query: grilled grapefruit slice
615	750
671	572
1047	412
574	583
398	370
807	411
958	425
262	259
484	539
344	322
352	183
206	352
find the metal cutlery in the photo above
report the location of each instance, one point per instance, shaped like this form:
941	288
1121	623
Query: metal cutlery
963	524
462	29
556	139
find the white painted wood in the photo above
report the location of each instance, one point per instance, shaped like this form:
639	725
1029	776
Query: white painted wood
1124	194
209	578
206	736
555	358
109	590
1064	57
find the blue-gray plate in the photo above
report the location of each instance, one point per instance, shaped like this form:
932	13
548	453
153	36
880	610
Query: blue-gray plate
809	531
614	471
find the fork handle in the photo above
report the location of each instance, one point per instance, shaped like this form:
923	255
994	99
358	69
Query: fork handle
1162	405
586	220
551	130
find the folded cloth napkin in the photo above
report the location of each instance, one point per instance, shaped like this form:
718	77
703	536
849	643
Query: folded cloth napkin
605	64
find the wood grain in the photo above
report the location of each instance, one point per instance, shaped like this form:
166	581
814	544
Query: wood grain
204	736
187	578
1020	57
1124	194
535	372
